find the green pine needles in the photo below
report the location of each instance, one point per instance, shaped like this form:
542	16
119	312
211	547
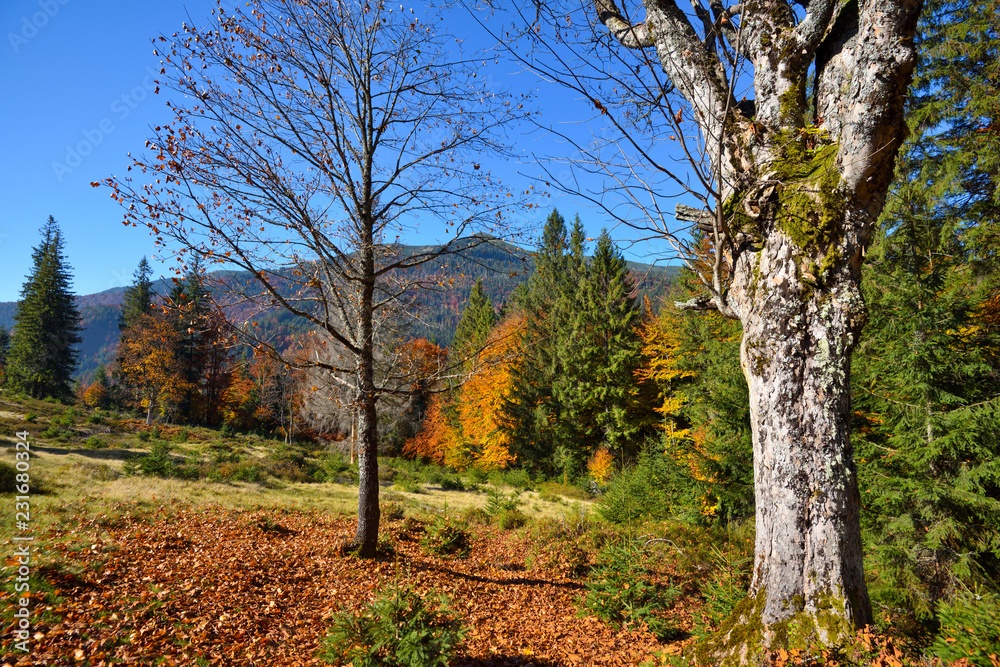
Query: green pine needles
400	627
574	390
43	352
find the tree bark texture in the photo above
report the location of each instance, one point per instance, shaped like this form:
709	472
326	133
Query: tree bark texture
799	183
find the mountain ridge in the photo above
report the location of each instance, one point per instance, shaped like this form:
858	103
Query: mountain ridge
502	267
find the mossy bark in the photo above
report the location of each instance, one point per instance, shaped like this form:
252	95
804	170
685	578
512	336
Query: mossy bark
800	183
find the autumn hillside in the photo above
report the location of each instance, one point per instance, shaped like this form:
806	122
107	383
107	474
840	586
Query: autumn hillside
501	266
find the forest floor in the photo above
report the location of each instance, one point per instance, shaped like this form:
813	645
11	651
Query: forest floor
192	566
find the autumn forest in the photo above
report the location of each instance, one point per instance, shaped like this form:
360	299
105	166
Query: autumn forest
776	444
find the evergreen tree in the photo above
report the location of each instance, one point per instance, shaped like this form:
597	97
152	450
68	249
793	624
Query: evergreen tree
926	383
4	347
138	297
954	115
43	351
199	350
531	415
927	379
474	327
599	352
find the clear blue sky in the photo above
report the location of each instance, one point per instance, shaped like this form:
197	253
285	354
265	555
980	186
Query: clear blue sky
76	88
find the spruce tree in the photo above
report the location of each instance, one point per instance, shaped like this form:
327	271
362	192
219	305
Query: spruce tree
598	353
927	376
198	349
531	416
926	382
954	148
4	347
43	352
138	297
474	327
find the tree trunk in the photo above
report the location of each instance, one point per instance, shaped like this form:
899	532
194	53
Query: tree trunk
799	332
366	539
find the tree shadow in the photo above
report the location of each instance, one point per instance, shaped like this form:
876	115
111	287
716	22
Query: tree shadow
506	661
99	454
511	581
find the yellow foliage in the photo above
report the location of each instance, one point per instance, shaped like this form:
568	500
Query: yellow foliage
95	396
601	465
148	363
467	432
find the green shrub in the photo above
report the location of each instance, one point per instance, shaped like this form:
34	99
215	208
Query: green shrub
475	516
335	466
52	432
391	511
653	488
969	628
498	502
182	435
447	539
246	471
30	417
156	433
619	592
450	482
8	478
95	418
477	476
510	519
157	462
143	436
96	443
518	479
223	453
399	628
728	582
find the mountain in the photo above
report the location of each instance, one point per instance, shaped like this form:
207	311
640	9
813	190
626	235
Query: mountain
501	266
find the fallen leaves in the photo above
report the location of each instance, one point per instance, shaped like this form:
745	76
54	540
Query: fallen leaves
218	586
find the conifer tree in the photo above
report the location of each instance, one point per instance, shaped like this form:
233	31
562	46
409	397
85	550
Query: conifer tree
531	415
927	383
138	297
4	347
599	351
954	148
199	348
474	327
43	351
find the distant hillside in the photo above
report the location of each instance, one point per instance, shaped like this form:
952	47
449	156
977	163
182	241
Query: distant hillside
501	266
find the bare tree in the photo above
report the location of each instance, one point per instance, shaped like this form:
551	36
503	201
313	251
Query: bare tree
309	136
784	119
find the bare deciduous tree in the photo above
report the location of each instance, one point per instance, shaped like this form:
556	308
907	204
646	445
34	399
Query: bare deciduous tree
310	135
784	118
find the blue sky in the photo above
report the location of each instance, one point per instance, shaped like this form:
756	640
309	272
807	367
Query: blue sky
77	96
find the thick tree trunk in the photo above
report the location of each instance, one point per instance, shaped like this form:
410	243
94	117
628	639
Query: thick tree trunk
808	582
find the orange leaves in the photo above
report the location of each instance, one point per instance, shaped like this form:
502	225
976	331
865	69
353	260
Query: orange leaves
466	430
187	586
95	396
601	465
147	361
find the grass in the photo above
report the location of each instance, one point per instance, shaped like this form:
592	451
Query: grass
82	464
